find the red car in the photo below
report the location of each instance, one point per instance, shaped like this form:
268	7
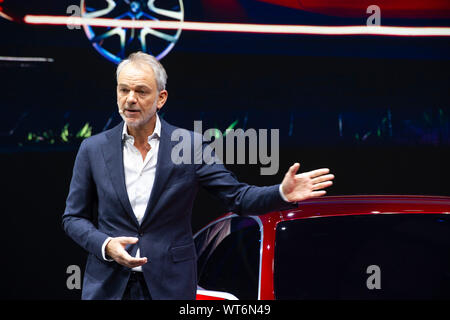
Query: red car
339	247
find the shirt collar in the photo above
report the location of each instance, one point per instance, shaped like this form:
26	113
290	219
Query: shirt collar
156	132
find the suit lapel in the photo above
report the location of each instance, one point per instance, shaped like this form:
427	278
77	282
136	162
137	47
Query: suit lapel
164	166
113	155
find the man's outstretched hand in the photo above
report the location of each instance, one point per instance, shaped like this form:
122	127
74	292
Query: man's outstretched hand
298	187
115	248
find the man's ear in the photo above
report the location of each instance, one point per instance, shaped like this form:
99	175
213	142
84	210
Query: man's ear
162	98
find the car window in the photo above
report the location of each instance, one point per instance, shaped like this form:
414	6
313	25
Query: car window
228	257
393	256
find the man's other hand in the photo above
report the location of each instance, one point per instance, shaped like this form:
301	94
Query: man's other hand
115	248
298	187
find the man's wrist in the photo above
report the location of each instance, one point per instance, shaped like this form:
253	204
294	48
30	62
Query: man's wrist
280	189
105	257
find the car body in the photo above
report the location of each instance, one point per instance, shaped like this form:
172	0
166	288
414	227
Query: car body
336	247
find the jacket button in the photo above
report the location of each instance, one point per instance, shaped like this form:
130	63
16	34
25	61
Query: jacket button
141	233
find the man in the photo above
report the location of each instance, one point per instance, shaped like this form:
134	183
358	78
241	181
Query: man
139	238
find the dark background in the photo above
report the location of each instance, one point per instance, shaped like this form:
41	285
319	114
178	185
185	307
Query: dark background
390	95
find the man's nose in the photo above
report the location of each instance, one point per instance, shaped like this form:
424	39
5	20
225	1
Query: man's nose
131	98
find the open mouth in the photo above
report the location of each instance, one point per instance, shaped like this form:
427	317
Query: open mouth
132	111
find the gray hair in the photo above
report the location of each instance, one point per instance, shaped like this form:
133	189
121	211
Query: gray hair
144	58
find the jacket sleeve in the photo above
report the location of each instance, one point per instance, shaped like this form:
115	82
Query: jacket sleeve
78	217
239	197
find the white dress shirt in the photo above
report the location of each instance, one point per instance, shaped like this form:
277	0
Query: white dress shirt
140	176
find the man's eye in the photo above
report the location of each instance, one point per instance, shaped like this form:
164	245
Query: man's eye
123	90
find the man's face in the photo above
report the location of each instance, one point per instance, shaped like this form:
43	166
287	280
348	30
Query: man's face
137	95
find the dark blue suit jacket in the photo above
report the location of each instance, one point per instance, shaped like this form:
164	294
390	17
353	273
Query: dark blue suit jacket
98	207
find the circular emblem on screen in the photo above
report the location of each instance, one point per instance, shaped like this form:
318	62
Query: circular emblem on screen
116	43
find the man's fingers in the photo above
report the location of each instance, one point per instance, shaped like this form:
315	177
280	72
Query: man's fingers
322	178
317	173
322	185
127	240
317	193
136	262
131	262
293	169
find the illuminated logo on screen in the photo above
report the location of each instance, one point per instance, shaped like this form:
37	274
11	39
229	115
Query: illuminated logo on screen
116	43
